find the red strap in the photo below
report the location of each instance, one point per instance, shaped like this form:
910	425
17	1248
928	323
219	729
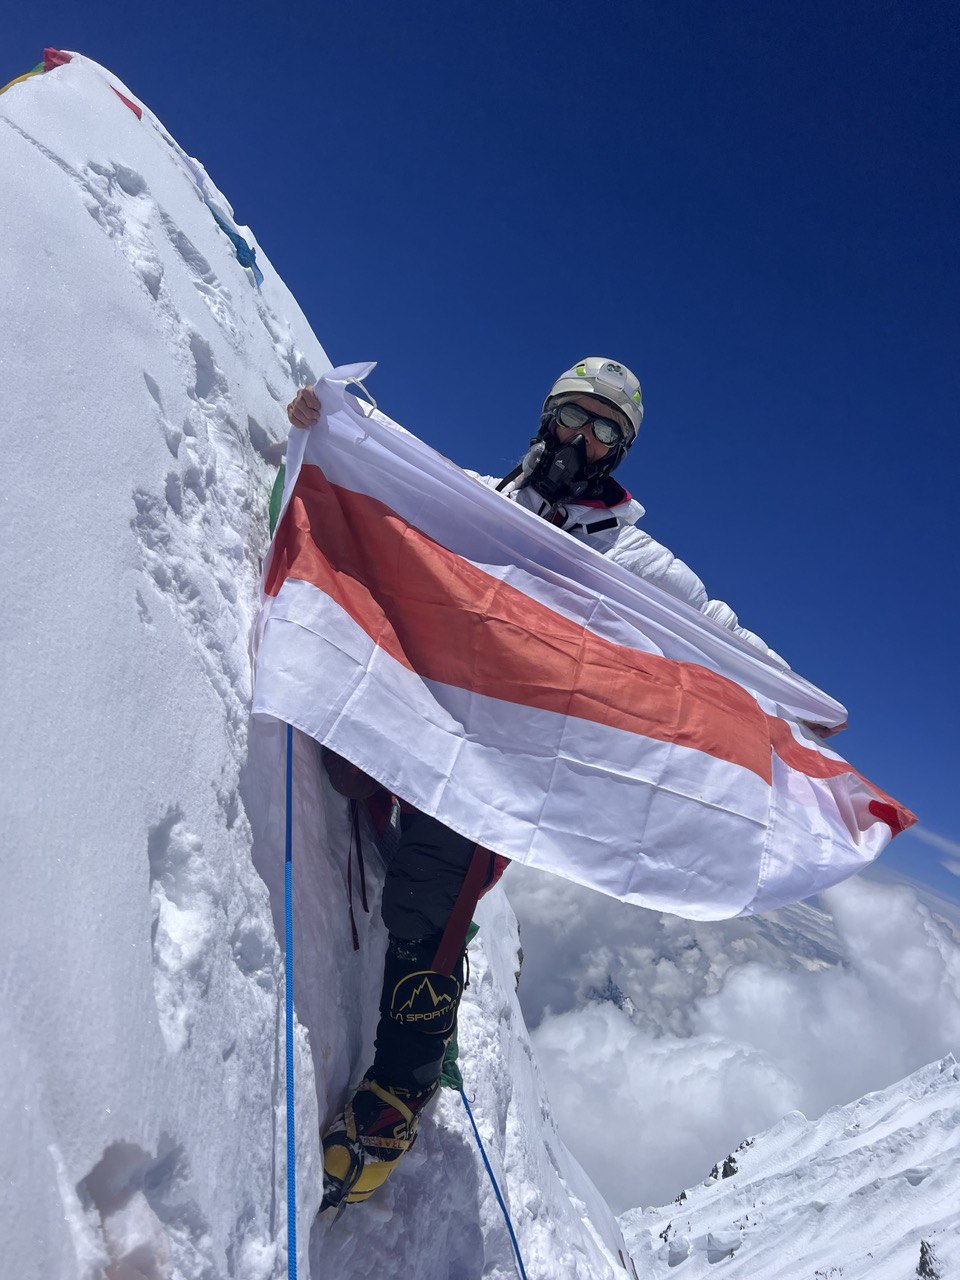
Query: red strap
455	934
500	864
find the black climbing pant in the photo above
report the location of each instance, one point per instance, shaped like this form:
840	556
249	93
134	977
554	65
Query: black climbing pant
418	1006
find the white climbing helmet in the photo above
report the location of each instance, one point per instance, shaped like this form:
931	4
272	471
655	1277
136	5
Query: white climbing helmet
607	379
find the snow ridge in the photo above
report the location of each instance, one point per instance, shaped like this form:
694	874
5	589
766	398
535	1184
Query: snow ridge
864	1191
141	1088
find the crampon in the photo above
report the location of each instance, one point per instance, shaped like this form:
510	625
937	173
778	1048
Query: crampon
366	1142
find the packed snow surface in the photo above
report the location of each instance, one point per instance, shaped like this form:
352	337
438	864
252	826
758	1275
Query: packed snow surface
143	382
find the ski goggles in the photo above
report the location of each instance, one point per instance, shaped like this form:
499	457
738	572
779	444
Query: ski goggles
575	418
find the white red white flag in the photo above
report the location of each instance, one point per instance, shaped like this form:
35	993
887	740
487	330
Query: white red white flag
495	672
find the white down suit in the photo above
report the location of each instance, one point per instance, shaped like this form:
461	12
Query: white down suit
613	532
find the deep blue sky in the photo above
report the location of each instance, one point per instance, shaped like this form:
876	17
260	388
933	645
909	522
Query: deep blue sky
755	205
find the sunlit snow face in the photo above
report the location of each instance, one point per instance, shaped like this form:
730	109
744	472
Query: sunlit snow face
592	404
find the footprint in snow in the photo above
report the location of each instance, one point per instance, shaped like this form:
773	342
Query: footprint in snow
186	922
147	1211
209	384
202	276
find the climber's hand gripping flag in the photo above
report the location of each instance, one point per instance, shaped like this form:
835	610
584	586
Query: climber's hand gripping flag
498	674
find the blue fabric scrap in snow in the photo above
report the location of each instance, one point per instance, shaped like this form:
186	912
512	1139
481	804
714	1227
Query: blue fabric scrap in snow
246	256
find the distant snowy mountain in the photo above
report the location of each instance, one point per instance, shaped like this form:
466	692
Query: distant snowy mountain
145	370
871	1191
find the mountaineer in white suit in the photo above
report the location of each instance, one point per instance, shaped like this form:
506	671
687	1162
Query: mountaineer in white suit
589	421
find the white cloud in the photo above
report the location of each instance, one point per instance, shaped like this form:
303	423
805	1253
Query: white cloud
719	1029
646	1115
952	865
943	843
893	1006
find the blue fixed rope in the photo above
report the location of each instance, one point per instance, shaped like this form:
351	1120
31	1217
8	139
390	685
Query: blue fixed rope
506	1215
291	1116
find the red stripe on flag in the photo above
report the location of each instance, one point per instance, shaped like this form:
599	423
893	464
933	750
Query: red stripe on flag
449	621
894	815
810	761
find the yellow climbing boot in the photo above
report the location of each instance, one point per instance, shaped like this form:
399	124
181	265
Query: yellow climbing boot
367	1140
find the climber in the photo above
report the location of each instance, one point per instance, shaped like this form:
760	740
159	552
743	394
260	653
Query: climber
589	421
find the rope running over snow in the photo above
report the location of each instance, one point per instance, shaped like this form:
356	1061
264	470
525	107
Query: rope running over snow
288	972
506	1215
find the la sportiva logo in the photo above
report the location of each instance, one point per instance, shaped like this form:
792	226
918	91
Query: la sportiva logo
426	1000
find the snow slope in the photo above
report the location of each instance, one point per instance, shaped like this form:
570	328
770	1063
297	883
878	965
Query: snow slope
864	1193
143	381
